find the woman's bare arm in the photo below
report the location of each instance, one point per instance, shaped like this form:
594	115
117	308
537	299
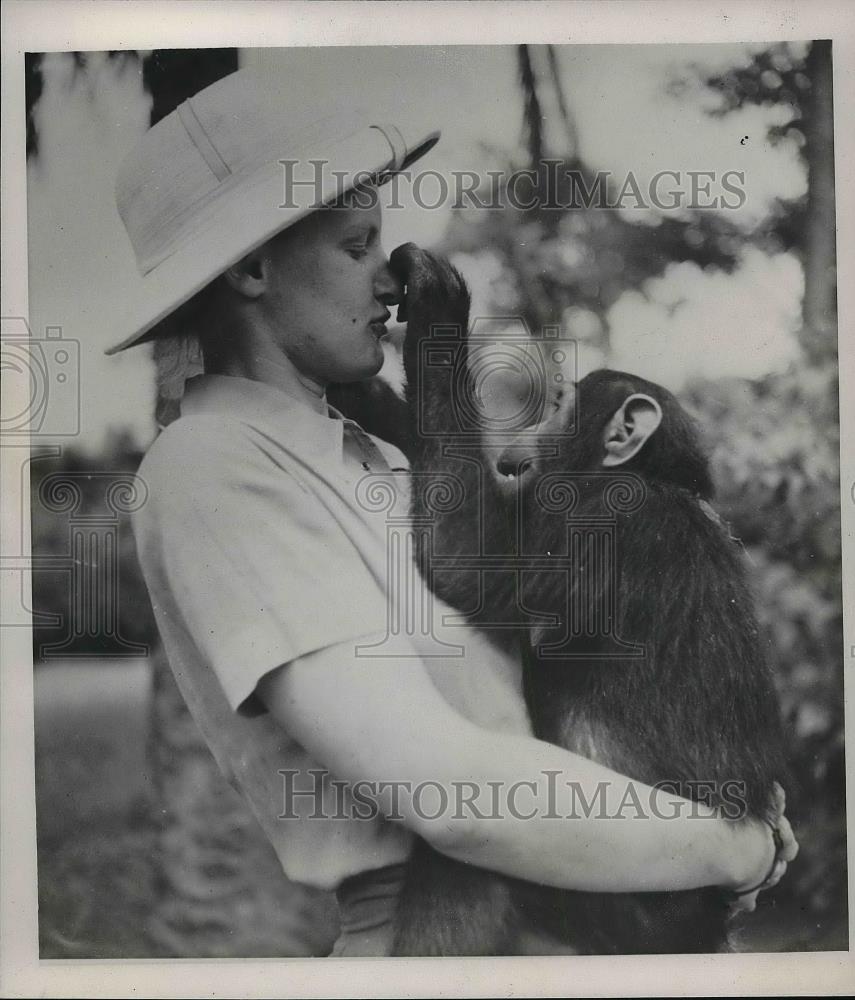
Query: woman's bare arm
375	720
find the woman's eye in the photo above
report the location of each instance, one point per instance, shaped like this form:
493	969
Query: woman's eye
358	251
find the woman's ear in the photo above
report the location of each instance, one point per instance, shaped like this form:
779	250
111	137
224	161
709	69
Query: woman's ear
248	277
629	429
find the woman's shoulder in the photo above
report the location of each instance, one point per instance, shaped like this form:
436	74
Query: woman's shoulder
201	445
208	430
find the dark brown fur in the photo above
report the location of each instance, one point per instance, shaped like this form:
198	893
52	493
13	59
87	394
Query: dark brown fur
699	706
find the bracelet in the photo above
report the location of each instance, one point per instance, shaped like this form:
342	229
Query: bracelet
778	841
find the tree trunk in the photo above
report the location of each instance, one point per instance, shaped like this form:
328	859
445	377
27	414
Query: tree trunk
820	261
221	891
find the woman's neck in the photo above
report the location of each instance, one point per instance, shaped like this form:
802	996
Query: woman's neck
263	362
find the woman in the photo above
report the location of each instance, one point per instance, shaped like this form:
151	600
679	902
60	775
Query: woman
269	577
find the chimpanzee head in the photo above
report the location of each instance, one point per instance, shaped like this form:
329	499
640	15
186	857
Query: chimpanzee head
613	420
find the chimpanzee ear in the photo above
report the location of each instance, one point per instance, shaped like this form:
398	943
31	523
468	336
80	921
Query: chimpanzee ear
630	428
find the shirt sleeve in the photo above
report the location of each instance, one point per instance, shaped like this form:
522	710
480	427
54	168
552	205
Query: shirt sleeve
253	562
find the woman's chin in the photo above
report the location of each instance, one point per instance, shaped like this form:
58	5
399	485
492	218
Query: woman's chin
356	370
374	359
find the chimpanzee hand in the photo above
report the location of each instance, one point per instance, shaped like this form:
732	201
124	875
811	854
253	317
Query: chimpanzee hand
436	295
786	848
431	283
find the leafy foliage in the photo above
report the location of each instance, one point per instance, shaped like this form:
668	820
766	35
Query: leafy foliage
775	457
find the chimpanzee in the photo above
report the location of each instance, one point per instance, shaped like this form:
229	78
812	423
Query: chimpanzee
672	687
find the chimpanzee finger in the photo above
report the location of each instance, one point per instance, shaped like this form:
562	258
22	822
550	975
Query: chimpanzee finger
401	264
401	260
417	270
427	277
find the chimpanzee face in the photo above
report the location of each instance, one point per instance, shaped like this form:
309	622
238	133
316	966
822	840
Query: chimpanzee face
593	427
610	420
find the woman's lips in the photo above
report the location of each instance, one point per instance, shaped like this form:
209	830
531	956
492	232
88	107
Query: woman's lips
378	324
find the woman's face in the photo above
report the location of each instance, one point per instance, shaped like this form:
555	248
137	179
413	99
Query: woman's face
329	290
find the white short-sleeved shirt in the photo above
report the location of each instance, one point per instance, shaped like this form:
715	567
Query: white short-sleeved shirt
256	552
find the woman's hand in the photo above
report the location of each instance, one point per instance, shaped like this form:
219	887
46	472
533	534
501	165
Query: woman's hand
774	855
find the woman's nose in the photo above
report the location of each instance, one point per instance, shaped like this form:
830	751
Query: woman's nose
388	288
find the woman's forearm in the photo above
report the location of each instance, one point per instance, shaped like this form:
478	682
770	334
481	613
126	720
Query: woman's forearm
496	799
547	815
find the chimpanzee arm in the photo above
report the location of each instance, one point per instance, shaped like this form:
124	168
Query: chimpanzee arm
377	408
447	460
437	302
